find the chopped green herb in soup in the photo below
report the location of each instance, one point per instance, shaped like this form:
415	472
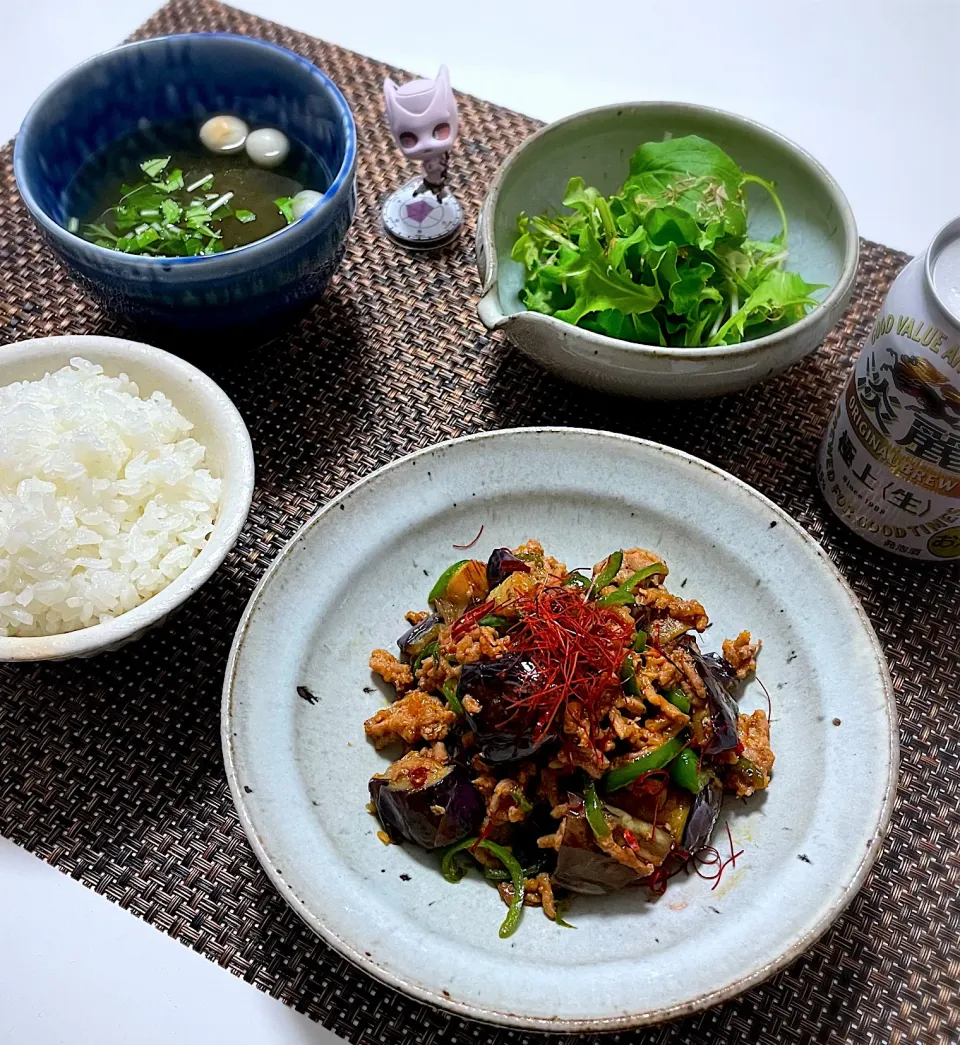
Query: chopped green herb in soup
171	192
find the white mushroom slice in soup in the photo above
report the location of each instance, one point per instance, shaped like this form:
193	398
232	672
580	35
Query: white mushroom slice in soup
268	147
224	134
304	202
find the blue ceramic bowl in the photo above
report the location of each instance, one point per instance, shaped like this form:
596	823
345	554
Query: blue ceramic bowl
194	76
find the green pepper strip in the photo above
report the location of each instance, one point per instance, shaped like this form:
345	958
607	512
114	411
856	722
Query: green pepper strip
685	772
449	690
639	641
493	621
595	818
617	597
625	593
449	867
494	874
559	920
609	571
443	580
522	801
453	873
659	758
430	650
576	579
628	674
678	699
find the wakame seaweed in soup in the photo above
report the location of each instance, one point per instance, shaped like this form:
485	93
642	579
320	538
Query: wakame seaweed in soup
160	192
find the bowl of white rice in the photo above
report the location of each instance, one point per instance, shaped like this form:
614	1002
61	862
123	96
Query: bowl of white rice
126	475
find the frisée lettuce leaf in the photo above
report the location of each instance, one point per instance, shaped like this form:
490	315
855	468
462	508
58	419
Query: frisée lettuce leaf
668	259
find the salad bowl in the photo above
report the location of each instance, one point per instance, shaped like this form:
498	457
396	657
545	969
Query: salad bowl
596	145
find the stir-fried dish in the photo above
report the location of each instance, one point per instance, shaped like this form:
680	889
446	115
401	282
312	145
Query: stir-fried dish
564	733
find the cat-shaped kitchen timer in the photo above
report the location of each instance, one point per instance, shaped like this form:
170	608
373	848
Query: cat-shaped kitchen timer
422	116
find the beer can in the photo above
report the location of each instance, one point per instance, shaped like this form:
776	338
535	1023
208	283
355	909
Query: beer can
889	464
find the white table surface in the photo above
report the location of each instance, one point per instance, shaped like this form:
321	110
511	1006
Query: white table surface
868	86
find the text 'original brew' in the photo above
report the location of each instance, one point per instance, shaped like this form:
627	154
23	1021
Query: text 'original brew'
889	465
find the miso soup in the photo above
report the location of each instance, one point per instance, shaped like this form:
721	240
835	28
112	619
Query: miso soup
159	191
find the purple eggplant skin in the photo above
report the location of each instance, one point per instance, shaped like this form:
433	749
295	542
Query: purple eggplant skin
703	818
413	640
502	734
582	867
432	816
501	564
724	711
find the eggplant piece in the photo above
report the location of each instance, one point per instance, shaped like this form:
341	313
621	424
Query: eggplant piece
455	591
413	641
582	867
503	732
724	711
501	564
524	835
445	809
703	818
654	843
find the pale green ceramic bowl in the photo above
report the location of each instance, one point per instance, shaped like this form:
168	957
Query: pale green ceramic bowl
597	145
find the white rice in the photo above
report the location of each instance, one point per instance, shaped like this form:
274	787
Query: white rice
102	499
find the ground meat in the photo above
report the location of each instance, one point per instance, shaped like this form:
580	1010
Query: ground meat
480	644
659	670
633	559
741	654
415	616
537	892
629	729
675	718
434	671
586	742
386	665
502	805
543	568
415	766
754	731
472	705
685	663
687	611
417	716
594	763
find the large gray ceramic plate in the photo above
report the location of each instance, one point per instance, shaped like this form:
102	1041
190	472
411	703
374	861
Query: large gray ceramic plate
299	771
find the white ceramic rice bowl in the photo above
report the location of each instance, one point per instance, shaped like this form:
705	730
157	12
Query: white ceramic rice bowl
217	425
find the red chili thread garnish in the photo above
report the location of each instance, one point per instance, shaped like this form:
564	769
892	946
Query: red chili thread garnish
657	882
577	648
766	693
463	547
652	782
733	855
706	856
656	809
470	619
713	859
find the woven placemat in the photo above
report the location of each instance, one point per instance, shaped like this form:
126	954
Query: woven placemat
110	768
